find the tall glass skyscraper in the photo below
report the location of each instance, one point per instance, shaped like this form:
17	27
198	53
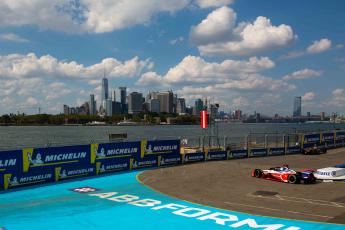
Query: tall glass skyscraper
105	92
297	107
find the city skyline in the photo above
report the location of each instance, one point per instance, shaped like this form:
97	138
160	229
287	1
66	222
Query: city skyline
244	54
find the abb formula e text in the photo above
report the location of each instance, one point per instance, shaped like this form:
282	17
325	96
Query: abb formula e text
285	174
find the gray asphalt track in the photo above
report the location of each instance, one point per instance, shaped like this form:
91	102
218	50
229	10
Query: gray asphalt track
229	185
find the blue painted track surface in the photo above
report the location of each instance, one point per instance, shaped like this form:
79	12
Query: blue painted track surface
57	207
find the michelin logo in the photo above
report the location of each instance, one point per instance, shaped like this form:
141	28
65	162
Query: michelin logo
194	158
63	173
102	168
115	152
140	164
193	213
8	162
169	161
12	182
160	148
54	157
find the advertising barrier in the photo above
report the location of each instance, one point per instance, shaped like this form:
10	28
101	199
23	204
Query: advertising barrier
193	157
217	155
32	166
166	160
276	151
243	153
10	161
258	152
340	135
293	150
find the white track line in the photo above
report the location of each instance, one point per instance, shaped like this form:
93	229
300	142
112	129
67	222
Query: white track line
300	200
279	210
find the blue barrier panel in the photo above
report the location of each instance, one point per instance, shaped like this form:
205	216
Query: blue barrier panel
340	135
114	150
311	138
276	151
167	160
11	161
217	155
329	144
145	162
111	165
258	152
243	153
66	172
339	143
160	147
293	150
12	180
327	137
193	157
42	157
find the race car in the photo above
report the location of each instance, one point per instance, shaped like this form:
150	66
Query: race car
285	174
336	173
314	150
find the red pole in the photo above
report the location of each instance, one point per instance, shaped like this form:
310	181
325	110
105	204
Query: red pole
203	119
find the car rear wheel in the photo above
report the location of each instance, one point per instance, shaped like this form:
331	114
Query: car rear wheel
293	179
258	173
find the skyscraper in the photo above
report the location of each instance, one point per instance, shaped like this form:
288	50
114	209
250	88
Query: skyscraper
92	105
297	107
199	105
105	92
181	105
113	95
135	103
109	107
123	94
166	100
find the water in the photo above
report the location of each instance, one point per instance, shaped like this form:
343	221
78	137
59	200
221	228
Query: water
14	137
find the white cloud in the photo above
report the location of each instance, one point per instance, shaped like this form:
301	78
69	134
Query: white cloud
309	96
13	38
216	27
29	80
31	66
31	101
217	34
212	3
177	40
338	98
224	81
195	69
319	46
240	102
316	47
303	74
89	16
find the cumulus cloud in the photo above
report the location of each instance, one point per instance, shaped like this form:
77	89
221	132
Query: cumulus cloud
89	16
219	35
319	46
309	96
216	27
46	66
303	74
212	3
338	98
194	69
177	40
31	80
13	38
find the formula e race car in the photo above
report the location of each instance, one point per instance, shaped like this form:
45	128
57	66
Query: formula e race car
314	150
285	174
336	173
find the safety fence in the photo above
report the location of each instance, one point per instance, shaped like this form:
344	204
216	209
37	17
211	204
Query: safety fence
34	166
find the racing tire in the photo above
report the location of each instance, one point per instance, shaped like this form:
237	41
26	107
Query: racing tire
257	173
293	179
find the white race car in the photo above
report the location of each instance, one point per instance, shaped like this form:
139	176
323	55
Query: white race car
331	173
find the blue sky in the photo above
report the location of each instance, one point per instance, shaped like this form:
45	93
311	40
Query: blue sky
246	54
